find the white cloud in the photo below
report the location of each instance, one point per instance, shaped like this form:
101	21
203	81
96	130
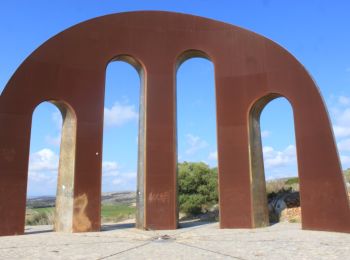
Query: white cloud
194	143
273	158
265	134
119	114
43	168
43	160
213	156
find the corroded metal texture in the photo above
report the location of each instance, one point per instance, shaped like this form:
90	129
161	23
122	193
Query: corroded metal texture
70	69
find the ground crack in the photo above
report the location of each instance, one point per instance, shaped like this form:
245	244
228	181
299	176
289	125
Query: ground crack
208	250
121	252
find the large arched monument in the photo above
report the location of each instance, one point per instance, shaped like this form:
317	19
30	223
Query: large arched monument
250	70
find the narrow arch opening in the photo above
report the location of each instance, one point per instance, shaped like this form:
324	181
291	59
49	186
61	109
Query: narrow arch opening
123	143
51	166
196	139
275	185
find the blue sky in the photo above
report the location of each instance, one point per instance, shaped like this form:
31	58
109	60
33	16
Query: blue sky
317	33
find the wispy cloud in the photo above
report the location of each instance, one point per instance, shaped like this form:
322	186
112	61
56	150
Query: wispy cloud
274	158
340	131
110	168
53	140
43	167
277	163
43	160
56	117
345	159
125	179
344	145
115	179
340	113
119	114
343	100
43	174
194	143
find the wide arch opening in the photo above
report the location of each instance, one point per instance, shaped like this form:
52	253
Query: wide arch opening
196	139
51	166
123	143
273	161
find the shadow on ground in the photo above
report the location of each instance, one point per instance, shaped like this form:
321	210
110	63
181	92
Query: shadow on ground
194	223
109	227
29	230
182	224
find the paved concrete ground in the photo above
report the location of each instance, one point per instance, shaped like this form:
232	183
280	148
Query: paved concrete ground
196	240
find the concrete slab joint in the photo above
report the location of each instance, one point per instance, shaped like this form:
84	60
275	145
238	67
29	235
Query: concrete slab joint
250	71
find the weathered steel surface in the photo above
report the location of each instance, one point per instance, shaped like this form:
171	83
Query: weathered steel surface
70	69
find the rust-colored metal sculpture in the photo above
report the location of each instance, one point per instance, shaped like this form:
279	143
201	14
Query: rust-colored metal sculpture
250	70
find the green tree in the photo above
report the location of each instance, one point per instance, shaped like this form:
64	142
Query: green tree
197	187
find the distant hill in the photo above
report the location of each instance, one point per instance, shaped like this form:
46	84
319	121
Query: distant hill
108	198
126	197
129	197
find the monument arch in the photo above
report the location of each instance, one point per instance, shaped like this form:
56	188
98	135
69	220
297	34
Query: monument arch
71	67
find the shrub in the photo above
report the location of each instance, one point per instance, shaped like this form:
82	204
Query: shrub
41	218
292	181
197	187
191	203
274	186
